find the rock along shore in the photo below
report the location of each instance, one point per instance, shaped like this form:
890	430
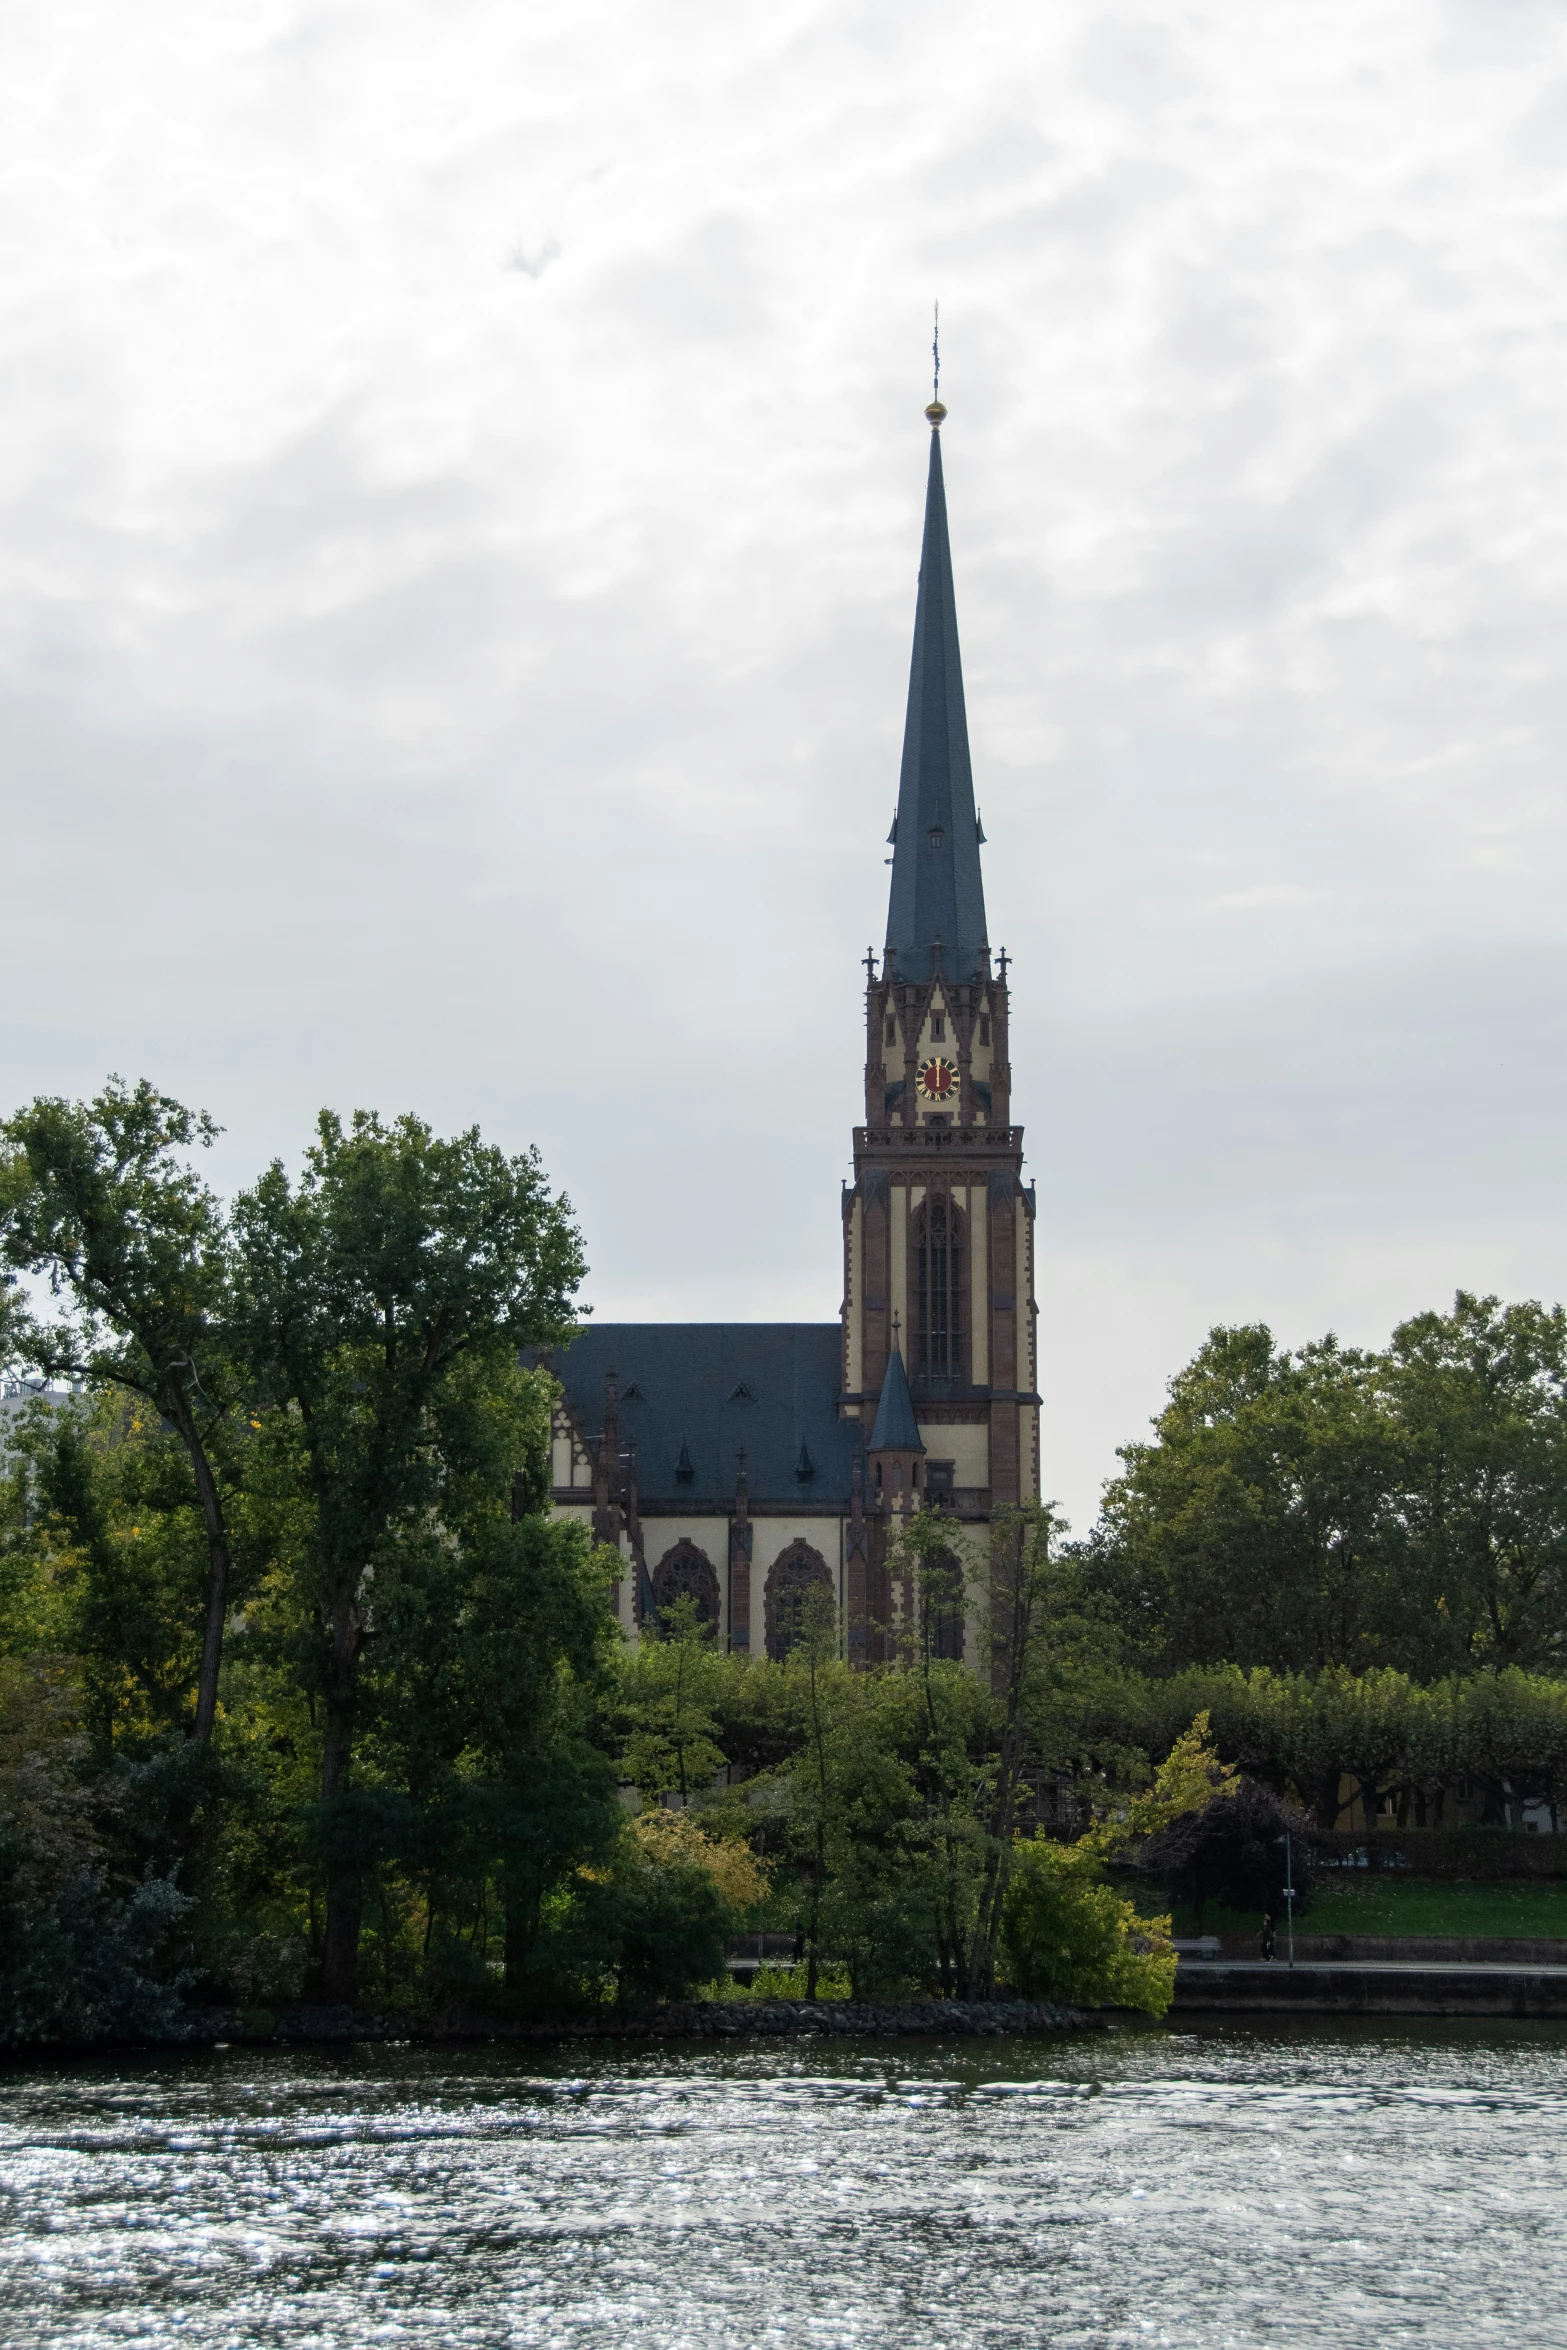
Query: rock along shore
694	2019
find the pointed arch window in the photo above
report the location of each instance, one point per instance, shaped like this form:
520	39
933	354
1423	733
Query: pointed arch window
791	1579
686	1573
940	1288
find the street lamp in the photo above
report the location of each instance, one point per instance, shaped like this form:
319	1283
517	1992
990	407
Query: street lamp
1289	1889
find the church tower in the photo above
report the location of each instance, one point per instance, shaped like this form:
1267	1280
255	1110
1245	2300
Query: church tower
939	1360
746	1466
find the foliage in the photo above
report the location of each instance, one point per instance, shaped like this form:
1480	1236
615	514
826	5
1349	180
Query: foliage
672	1690
674	1838
80	1959
1067	1935
1339	1510
655	1923
1384	1734
99	1198
790	1982
1190	1778
1234	1851
381	1303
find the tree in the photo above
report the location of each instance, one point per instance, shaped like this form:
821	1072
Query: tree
98	1197
1258	1525
674	1681
80	1959
1023	1578
843	1798
1233	1851
383	1299
1479	1401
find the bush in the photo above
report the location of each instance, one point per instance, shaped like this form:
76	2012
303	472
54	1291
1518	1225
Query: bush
1068	1935
789	1982
664	1929
655	1924
87	1966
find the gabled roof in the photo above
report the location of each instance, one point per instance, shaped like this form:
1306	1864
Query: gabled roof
896	1428
706	1389
937	891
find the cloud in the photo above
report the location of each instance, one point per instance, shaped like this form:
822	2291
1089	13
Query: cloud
533	261
416	693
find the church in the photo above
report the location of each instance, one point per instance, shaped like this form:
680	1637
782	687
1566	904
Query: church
744	1463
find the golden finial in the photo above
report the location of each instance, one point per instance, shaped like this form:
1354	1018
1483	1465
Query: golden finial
936	412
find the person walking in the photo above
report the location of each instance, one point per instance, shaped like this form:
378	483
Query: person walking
1267	1934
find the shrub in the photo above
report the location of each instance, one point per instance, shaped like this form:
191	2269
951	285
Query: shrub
1068	1935
87	1965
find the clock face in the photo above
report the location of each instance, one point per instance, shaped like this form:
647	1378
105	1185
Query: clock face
936	1079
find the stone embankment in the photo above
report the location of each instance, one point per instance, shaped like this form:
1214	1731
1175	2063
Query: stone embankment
1369	1986
696	2019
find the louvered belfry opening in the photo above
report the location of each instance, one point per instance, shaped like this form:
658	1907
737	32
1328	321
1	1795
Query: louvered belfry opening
940	1289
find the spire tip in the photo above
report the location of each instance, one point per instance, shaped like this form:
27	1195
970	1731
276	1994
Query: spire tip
936	412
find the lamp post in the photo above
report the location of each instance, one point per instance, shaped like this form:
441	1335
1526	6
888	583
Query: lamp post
1289	1890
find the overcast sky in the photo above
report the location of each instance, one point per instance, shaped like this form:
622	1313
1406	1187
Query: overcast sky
461	470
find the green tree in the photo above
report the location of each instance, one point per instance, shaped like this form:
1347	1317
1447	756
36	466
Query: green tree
383	1299
672	1692
843	1798
1259	1524
99	1198
1478	1398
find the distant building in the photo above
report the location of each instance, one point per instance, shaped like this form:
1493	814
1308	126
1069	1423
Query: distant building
744	1463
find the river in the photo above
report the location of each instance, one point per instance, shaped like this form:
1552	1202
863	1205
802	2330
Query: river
1209	2188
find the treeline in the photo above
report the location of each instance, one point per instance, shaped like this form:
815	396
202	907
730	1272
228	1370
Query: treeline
304	1693
1338	1509
1330	1740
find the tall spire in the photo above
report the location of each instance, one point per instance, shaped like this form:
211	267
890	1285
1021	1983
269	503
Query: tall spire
938	897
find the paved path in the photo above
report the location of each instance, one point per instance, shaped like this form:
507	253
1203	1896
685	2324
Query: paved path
1365	1966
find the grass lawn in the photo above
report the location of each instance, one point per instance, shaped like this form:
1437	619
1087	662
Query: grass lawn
1356	1902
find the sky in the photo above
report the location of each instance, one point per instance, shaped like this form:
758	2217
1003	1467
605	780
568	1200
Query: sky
461	471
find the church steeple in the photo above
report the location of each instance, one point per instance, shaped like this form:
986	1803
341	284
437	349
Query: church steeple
939	1343
937	903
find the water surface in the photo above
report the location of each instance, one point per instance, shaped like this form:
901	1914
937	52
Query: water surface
1208	2188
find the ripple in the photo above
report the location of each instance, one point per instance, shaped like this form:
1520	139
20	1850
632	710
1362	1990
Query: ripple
1206	2190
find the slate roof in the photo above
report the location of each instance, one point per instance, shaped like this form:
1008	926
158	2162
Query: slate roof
896	1428
937	890
711	1387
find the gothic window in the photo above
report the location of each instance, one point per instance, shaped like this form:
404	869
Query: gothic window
892	1030
938	1028
943	1607
792	1577
686	1573
984	1028
940	1289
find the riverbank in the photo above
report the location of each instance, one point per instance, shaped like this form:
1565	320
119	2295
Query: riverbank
1368	1987
691	2019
